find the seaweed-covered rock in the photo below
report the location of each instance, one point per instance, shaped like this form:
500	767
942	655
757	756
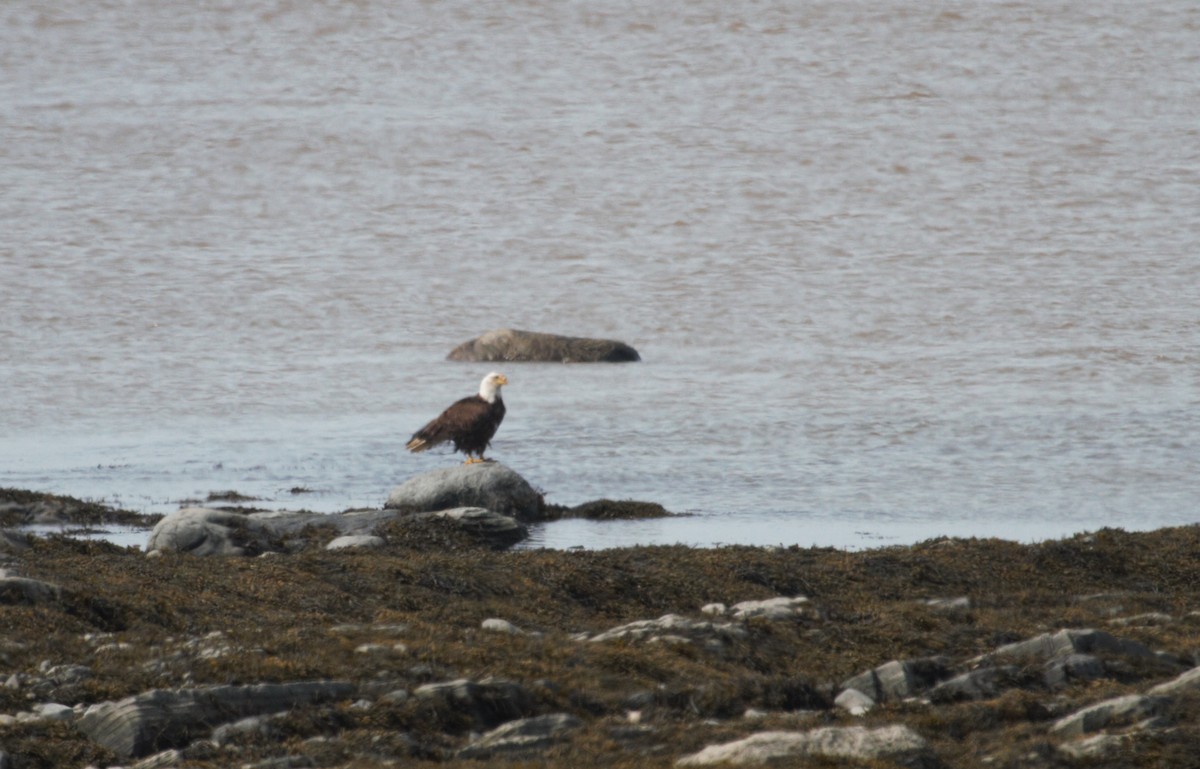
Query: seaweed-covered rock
28	591
485	527
140	725
854	742
506	344
488	702
208	531
489	485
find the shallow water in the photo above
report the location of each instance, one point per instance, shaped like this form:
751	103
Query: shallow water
894	270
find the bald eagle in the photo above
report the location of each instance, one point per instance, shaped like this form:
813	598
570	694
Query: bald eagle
470	423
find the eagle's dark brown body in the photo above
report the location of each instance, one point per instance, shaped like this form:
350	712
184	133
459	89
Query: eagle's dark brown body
469	423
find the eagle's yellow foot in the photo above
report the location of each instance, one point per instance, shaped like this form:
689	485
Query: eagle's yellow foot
473	460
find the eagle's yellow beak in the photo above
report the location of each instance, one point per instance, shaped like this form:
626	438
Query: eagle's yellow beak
503	380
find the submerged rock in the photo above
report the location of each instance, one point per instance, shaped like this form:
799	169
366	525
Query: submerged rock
489	485
506	344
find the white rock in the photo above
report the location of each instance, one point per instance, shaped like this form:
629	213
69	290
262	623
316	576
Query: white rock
53	711
854	702
832	741
770	608
350	541
501	625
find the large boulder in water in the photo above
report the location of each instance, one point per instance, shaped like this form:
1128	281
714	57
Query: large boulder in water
506	344
490	485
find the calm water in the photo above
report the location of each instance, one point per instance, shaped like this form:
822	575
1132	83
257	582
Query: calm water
896	269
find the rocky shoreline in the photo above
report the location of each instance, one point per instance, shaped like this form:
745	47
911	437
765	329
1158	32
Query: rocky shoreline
433	647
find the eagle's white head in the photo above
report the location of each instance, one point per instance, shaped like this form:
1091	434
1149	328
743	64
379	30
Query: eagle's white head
489	388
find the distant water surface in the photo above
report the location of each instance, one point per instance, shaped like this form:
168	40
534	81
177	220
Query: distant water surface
896	270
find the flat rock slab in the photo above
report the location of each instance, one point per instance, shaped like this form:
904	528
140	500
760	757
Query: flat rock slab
489	485
855	742
507	344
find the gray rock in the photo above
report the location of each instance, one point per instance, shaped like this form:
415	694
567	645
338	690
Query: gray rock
897	679
490	702
856	742
489	485
1050	645
979	684
506	344
1189	681
355	541
21	590
1060	671
207	531
526	735
160	719
1120	710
